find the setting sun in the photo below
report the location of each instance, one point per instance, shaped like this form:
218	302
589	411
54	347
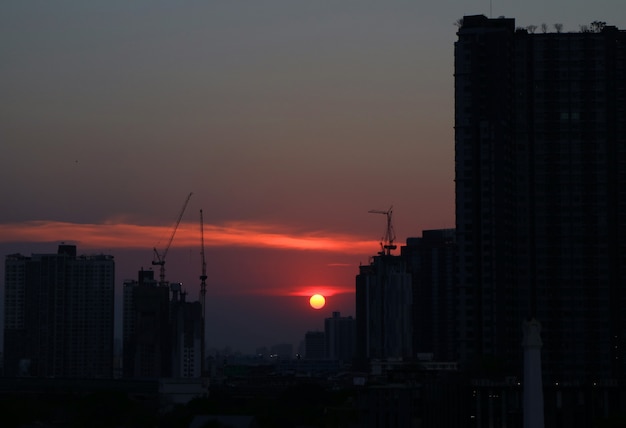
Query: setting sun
317	301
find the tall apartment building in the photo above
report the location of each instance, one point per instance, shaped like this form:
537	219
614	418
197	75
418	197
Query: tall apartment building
59	315
431	261
540	145
384	317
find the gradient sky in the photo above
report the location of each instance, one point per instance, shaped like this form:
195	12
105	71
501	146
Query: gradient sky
287	119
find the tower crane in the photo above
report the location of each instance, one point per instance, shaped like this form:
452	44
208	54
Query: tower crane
203	278
386	244
160	257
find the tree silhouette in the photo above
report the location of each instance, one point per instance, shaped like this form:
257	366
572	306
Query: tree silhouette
597	26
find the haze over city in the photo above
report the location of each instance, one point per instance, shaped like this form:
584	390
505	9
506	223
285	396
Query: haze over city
287	120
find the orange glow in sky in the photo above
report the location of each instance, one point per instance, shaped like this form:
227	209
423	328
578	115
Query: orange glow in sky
325	290
118	235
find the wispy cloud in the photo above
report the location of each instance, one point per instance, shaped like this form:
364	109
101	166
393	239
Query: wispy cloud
325	290
301	291
243	234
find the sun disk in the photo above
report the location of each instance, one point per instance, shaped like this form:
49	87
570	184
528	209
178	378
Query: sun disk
317	301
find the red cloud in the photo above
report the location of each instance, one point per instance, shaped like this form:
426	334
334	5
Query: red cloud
121	235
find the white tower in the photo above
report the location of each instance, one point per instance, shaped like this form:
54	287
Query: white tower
533	385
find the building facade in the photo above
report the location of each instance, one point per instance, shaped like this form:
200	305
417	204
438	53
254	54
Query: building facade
146	331
59	315
162	331
384	312
186	339
431	261
540	173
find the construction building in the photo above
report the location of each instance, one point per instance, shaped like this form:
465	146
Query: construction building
146	328
162	332
186	324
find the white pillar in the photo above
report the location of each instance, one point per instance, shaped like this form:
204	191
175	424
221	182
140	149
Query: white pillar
533	385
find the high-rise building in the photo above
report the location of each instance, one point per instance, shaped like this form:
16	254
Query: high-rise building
384	317
59	315
162	332
186	321
431	260
146	330
540	145
340	336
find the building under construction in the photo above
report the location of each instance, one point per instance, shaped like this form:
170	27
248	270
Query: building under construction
162	332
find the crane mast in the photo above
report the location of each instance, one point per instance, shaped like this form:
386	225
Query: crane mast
386	244
203	278
160	257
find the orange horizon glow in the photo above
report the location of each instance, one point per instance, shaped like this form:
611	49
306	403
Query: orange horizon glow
242	234
325	290
305	291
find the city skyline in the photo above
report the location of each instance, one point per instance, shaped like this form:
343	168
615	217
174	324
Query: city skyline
288	122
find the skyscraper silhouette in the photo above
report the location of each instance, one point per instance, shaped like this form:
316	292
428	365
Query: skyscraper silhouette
540	145
431	263
59	315
384	302
147	333
162	331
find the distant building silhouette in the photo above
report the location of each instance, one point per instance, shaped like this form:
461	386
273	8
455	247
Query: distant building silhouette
340	337
282	351
59	315
540	145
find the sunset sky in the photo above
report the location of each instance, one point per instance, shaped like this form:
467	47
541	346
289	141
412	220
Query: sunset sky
288	120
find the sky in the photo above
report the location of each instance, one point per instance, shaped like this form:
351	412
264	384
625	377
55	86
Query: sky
287	120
